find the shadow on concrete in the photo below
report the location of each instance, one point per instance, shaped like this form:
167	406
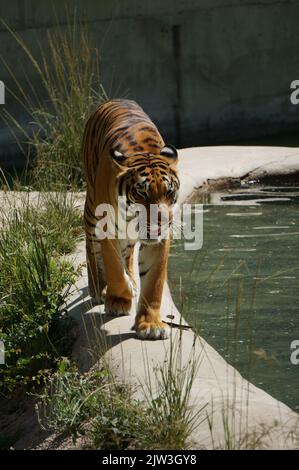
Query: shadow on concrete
92	330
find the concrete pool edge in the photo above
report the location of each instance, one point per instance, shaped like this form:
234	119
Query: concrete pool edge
204	168
255	418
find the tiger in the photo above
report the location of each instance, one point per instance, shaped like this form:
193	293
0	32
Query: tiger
124	155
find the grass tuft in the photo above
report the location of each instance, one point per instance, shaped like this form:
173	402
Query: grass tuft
170	417
69	78
34	286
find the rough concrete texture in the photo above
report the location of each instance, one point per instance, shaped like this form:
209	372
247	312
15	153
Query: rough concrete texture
206	71
202	167
253	417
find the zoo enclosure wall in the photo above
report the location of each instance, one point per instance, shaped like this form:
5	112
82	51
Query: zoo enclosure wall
206	71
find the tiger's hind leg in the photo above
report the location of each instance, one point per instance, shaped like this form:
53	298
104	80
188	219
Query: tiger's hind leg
96	277
129	262
95	271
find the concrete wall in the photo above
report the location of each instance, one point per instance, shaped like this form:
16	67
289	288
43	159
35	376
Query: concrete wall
206	71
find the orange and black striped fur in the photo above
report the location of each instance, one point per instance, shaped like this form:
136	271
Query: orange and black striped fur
124	154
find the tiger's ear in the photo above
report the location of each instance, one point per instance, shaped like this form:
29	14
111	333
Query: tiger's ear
118	159
170	152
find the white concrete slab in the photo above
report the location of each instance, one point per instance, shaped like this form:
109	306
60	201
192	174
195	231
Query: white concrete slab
199	165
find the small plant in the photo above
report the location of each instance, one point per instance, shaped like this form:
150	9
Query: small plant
120	421
69	399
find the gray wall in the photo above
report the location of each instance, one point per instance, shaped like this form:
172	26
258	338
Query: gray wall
207	71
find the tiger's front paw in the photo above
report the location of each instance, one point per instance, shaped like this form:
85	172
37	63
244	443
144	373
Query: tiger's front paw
152	330
117	306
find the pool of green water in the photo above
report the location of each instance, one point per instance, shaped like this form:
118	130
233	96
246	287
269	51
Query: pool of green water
241	289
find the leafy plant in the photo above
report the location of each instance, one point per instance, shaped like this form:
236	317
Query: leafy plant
69	399
120	420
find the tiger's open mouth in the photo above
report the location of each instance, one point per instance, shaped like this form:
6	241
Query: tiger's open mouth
151	241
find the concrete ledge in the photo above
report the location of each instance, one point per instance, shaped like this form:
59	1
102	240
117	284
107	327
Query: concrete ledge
254	417
201	167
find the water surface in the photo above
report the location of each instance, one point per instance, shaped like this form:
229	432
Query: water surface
241	289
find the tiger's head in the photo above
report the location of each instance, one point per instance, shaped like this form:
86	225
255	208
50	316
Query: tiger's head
150	181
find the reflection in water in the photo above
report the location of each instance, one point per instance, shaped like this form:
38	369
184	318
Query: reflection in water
241	289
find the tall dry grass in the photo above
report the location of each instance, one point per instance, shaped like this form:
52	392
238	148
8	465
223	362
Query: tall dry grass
68	70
